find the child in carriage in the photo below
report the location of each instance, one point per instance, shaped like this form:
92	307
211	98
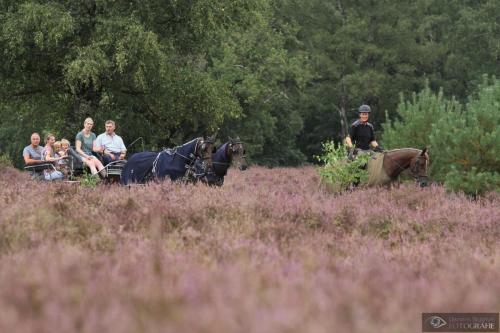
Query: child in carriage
61	148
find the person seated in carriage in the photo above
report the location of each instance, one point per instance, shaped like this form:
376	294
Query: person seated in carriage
32	154
49	155
110	145
61	149
362	134
84	144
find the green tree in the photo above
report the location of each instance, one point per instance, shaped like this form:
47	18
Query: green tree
416	118
142	64
468	156
265	78
464	150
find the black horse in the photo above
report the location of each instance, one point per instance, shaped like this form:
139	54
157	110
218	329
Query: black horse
175	163
230	153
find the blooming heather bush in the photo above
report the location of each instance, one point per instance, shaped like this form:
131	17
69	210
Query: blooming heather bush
268	252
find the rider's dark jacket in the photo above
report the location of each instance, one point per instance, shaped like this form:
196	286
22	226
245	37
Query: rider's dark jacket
361	134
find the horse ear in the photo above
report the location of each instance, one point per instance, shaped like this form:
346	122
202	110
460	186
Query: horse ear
423	151
230	138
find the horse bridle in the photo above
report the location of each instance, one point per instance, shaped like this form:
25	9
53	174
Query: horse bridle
231	146
413	172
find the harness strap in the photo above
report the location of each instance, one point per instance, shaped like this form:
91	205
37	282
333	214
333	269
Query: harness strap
155	162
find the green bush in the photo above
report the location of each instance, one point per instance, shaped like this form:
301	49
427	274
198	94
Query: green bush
472	182
416	118
89	180
5	162
337	171
464	154
468	158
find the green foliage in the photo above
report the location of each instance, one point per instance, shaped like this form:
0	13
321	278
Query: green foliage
472	182
88	180
337	170
5	162
265	78
416	118
284	75
468	143
465	154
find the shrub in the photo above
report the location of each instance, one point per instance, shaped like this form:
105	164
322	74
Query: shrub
416	119
337	170
465	154
89	180
472	182
5	162
468	156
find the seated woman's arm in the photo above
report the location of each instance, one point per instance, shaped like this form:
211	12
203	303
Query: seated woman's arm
49	158
78	148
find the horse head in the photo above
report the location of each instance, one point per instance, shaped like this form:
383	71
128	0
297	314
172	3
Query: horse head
419	168
236	153
203	152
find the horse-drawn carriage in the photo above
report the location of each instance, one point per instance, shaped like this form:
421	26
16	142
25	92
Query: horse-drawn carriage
190	162
197	160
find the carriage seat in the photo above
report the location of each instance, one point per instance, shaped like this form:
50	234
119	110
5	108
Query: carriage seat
36	170
114	169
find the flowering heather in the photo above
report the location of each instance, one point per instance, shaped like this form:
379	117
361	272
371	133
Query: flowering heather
268	252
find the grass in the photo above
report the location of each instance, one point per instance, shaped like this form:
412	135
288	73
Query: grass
268	252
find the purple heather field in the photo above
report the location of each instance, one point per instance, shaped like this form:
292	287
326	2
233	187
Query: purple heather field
268	252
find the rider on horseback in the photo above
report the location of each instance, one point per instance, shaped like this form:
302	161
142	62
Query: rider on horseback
361	133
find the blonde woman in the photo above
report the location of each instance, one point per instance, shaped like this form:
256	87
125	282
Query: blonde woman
49	155
84	143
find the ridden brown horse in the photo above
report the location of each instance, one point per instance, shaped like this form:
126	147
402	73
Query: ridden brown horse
416	160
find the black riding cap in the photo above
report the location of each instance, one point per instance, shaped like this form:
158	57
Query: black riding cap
364	108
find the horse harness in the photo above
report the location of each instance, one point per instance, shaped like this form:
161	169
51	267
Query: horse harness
190	167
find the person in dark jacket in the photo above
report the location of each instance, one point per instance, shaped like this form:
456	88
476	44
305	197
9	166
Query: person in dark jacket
361	133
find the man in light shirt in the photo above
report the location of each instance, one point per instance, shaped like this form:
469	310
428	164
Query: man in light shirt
110	145
32	154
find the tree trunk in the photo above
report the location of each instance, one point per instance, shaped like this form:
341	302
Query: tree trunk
342	111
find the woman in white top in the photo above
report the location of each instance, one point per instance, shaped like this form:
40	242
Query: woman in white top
84	143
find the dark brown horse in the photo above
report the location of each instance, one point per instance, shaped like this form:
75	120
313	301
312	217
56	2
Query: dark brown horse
229	153
415	160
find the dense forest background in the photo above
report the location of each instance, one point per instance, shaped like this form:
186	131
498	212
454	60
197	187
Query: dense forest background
284	75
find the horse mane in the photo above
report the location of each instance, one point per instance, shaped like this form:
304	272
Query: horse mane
220	160
188	143
221	154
